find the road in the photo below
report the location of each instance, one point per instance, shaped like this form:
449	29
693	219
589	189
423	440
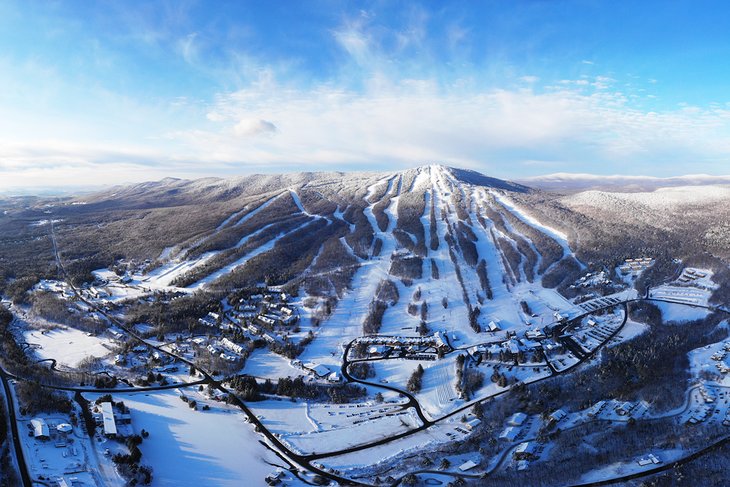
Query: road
13	432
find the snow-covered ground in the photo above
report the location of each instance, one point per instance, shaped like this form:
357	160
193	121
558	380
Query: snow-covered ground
265	363
415	444
68	346
678	313
188	447
632	466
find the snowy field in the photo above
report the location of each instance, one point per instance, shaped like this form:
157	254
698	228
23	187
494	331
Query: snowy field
414	444
188	447
354	432
679	313
264	363
632	466
68	346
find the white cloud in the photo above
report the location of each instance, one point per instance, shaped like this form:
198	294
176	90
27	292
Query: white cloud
398	124
250	128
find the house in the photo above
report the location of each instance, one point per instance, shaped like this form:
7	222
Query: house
110	425
651	459
233	347
468	465
117	334
624	409
472	423
557	416
334	377
596	409
317	369
525	451
510	433
514	347
494	326
40	429
517	419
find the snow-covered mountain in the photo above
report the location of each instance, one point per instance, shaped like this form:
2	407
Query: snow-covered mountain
317	233
433	230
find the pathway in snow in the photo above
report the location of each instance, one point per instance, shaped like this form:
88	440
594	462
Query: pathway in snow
231	267
345	324
528	219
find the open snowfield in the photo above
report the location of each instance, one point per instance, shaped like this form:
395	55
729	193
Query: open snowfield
438	395
679	313
68	346
412	444
188	447
265	363
353	432
632	466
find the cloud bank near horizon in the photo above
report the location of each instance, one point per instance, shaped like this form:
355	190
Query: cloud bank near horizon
372	90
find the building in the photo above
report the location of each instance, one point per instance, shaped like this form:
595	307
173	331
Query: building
510	433
525	451
472	423
624	409
517	419
233	347
317	369
468	465
557	416
40	429
107	415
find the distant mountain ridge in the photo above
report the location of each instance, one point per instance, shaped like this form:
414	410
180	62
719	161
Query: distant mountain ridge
581	182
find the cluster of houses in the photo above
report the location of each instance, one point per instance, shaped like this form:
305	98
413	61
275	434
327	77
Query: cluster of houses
635	266
415	348
529	348
697	278
142	355
224	348
592	279
719	358
269	310
514	427
650	459
618	409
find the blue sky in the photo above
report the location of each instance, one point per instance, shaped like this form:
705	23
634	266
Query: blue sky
105	92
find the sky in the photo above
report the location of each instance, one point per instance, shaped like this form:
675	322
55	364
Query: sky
105	92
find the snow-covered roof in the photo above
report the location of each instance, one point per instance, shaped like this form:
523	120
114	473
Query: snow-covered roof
40	428
318	369
468	465
517	419
107	413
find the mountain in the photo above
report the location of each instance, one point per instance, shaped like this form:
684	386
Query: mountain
312	231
